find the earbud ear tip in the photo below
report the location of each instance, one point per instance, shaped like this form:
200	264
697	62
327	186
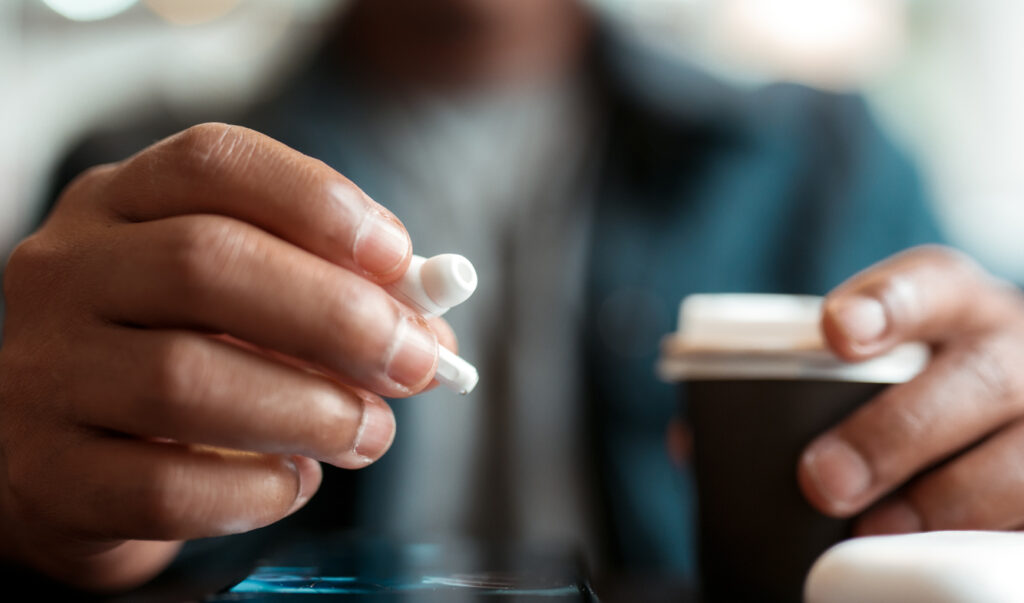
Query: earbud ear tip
448	279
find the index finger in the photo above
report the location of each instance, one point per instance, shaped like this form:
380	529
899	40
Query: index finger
237	172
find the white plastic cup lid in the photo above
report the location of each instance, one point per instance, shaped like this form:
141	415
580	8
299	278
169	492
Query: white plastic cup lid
769	336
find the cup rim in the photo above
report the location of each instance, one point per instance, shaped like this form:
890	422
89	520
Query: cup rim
769	336
901	364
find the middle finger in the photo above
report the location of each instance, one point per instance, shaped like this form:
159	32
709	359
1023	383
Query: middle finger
222	275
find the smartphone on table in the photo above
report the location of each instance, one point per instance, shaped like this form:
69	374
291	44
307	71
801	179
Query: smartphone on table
347	568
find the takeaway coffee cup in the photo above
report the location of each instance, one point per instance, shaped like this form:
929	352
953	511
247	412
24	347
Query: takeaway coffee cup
757	385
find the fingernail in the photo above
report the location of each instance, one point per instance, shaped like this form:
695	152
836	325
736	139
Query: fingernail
840	474
862	319
380	244
892	517
376	431
309	474
413	354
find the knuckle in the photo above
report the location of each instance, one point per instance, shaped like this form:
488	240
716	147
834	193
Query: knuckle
338	316
985	363
23	482
954	257
943	501
935	252
203	249
880	436
904	282
30	498
87	181
946	260
92	184
180	376
36	265
208	149
28	258
160	511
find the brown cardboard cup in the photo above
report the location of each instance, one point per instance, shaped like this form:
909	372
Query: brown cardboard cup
757	385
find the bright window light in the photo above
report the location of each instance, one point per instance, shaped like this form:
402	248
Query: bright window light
190	12
89	10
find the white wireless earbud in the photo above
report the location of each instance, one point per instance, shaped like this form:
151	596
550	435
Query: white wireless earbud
432	286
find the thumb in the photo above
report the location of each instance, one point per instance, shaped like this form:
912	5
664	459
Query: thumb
931	294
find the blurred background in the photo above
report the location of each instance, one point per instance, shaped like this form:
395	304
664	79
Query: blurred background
944	76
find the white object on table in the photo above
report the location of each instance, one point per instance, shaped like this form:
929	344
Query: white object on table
929	567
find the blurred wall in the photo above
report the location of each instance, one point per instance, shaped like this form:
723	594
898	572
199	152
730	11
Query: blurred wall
956	96
942	74
62	78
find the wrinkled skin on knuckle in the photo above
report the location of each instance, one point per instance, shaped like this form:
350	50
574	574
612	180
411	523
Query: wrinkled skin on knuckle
203	250
206	151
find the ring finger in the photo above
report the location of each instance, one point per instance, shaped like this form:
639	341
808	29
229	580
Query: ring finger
194	388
